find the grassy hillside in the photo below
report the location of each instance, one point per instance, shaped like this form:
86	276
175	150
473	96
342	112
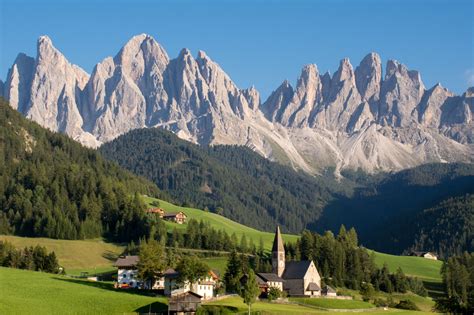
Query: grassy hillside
422	268
220	222
29	292
74	255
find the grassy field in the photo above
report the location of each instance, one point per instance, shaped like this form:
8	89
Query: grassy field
29	292
236	305
220	222
423	268
334	304
75	256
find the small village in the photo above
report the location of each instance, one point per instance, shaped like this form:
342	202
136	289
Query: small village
294	278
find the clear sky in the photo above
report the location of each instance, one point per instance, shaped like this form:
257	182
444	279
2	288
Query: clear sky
257	43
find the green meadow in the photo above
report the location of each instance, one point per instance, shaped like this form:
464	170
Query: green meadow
30	292
425	269
220	222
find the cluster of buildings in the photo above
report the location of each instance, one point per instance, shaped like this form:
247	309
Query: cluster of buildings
296	278
127	277
177	217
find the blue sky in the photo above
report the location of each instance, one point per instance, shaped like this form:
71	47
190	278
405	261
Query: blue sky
257	43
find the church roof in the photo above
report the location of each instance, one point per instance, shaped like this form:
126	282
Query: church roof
296	269
270	277
278	241
312	287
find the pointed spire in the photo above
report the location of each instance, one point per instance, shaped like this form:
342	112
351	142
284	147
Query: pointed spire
278	241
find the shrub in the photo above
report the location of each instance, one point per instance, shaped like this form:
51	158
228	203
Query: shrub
274	293
381	302
367	291
407	305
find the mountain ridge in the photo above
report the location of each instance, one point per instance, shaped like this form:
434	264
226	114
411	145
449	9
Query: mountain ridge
353	119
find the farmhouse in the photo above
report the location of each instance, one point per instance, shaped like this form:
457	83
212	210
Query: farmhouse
127	274
427	255
157	211
178	217
127	271
203	287
298	278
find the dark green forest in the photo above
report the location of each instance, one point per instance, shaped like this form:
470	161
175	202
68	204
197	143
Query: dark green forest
52	186
447	228
386	210
230	180
458	281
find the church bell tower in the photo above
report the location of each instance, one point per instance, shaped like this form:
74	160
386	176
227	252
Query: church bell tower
278	254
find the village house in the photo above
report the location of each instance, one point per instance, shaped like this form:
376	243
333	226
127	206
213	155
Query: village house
204	287
427	255
177	217
184	303
157	211
268	280
297	278
127	274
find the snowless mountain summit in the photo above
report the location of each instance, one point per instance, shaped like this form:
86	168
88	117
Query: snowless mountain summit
354	119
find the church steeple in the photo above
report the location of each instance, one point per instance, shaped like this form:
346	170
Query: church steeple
278	254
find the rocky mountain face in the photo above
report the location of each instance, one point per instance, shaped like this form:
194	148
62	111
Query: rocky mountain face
354	119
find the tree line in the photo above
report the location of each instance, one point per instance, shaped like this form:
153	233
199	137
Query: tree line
458	282
339	259
35	258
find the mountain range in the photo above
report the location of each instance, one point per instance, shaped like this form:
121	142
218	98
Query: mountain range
354	119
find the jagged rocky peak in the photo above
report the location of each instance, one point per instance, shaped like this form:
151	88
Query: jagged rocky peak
369	77
253	97
343	81
430	107
306	96
142	53
345	71
401	92
18	84
277	101
343	98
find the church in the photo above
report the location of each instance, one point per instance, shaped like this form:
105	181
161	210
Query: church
296	278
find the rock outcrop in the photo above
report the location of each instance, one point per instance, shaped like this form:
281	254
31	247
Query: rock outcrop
354	119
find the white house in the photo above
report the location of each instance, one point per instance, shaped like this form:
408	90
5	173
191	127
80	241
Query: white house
127	274
203	287
427	255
